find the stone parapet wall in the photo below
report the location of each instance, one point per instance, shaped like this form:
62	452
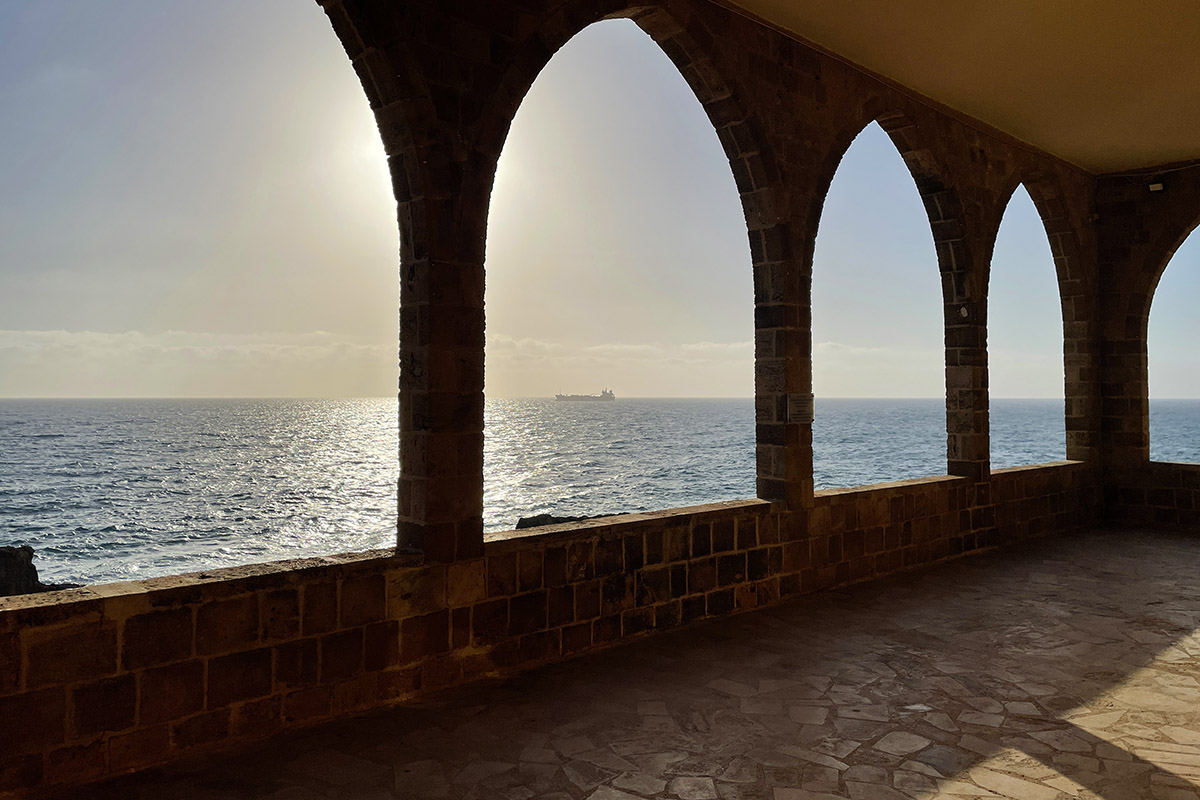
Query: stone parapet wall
113	678
1156	493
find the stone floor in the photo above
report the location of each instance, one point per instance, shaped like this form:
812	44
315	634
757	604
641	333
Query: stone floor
1053	670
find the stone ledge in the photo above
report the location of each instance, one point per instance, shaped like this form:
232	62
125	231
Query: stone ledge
914	483
622	524
1034	467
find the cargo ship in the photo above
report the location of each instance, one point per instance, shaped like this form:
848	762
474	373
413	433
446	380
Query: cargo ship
605	395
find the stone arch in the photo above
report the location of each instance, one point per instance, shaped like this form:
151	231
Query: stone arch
963	288
1074	333
1164	249
693	49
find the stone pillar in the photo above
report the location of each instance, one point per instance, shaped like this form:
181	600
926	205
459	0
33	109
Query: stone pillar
782	369
968	449
426	119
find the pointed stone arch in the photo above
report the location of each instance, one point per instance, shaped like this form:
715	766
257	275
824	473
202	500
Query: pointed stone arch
964	286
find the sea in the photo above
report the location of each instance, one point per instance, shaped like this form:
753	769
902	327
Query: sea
110	490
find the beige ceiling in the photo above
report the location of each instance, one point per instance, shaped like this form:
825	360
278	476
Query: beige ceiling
1108	85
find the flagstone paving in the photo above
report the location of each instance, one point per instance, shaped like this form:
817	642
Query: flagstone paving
1059	669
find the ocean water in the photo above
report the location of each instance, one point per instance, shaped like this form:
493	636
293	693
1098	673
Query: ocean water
110	490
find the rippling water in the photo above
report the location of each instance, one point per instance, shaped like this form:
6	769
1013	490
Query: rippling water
111	490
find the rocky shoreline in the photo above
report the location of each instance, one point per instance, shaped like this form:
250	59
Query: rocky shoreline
18	575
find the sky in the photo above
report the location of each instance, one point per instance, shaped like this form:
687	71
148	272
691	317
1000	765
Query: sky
194	202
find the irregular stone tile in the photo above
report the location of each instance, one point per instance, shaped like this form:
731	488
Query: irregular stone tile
1023	708
819	779
574	745
1010	786
478	771
694	788
586	776
866	773
941	721
808	715
758	705
539	755
838	748
422	779
901	743
913	783
946	760
652	708
1062	740
986	705
726	686
924	769
873	791
607	760
979	718
609	793
813	757
340	769
640	782
872	713
740	770
787	793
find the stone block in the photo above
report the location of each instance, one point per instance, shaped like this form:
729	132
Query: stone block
731	569
502	575
363	600
11	668
489	621
77	763
104	706
201	729
560	603
381	645
158	637
280	614
466	583
460	629
610	557
240	676
319	611
424	636
341	655
587	600
527	613
227	625
296	663
42	717
171	692
617	594
69	654
21	771
307	704
529	570
257	719
702	575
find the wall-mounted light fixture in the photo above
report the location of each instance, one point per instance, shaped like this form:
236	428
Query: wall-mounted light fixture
1155	187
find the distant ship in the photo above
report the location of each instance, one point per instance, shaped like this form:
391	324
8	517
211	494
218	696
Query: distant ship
605	395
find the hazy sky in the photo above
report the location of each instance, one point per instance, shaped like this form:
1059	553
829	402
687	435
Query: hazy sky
194	201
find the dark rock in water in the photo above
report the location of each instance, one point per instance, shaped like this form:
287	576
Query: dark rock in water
18	575
537	520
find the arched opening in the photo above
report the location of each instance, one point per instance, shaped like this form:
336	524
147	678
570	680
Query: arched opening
1174	373
1025	342
195	214
617	258
878	357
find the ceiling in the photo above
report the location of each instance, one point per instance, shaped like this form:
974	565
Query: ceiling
1108	85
